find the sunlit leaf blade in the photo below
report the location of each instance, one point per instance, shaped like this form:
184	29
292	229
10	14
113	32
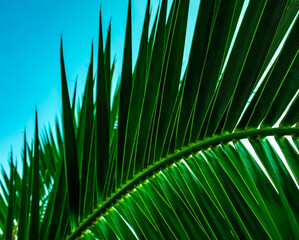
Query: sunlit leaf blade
23	219
59	137
172	75
194	70
282	76
207	215
114	114
89	194
35	215
292	116
153	32
3	213
243	183
290	155
278	202
59	204
171	27
203	146
85	131
130	209
218	45
173	125
190	223
290	13
3	189
279	105
125	95
102	118
152	90
10	213
235	64
170	20
30	175
229	197
136	102
107	231
108	73
256	56
63	225
117	223
255	172
70	149
74	98
57	191
17	199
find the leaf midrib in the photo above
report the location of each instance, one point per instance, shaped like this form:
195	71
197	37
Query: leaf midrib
164	162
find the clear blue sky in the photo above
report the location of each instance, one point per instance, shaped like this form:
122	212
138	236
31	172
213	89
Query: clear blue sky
29	56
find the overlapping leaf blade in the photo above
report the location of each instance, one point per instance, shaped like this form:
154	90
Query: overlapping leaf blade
102	118
35	214
70	150
11	204
23	219
125	95
149	165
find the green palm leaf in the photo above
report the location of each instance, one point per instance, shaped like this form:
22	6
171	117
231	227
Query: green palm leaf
209	151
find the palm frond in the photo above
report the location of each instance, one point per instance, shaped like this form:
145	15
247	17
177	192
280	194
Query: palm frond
209	151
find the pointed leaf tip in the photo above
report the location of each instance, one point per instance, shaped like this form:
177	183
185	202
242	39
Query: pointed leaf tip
35	215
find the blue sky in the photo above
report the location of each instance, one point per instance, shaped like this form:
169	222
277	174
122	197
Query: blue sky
29	56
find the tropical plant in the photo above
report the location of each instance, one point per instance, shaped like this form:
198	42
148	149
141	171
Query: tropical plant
209	151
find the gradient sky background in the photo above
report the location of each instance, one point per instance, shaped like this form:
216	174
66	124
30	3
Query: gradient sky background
29	56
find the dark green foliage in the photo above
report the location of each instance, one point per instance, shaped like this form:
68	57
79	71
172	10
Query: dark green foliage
180	153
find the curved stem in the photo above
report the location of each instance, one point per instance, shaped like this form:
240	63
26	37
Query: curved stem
175	157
